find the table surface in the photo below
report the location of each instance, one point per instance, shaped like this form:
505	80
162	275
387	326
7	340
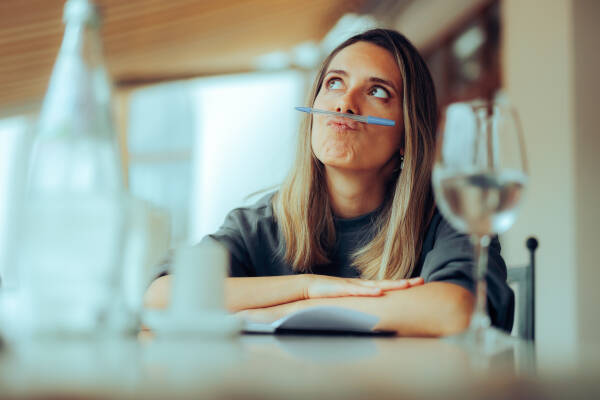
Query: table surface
281	366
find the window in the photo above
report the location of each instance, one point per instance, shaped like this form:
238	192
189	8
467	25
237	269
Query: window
199	148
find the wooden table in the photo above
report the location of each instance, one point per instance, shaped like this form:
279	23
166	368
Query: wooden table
270	367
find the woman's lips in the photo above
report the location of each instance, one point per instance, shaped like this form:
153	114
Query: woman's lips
342	124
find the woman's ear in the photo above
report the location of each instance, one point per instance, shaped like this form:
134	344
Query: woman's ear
394	164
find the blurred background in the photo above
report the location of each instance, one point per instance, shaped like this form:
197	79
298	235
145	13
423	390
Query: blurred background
204	94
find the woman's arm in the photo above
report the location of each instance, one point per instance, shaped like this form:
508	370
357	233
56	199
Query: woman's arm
267	291
433	309
240	293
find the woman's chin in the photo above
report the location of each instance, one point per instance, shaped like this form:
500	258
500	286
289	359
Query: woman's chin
340	163
334	154
337	159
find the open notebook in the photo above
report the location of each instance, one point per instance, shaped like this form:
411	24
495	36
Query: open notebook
320	318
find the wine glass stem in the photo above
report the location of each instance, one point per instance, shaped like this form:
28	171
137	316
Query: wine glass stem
480	319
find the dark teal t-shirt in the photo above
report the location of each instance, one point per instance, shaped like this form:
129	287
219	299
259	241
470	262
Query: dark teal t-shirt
253	239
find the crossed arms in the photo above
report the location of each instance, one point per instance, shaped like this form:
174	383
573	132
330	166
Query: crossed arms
409	307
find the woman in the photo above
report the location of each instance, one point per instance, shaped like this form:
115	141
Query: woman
354	223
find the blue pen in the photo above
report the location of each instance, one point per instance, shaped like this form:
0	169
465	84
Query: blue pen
362	118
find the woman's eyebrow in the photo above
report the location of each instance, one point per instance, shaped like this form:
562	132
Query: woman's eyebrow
371	79
337	71
385	82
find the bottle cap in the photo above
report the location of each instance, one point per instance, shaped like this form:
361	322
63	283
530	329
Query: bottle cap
81	11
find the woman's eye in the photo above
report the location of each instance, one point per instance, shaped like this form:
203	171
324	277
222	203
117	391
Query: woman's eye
334	83
380	92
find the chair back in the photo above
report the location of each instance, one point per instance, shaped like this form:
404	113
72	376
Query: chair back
524	278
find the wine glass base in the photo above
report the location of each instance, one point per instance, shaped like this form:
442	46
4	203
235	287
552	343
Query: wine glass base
487	341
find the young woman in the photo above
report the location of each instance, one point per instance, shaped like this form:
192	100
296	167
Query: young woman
354	224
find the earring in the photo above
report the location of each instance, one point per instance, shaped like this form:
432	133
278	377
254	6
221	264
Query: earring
400	165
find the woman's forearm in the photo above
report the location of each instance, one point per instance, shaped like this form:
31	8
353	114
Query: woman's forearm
433	309
264	291
240	293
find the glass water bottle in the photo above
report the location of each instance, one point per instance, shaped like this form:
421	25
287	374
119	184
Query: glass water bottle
72	219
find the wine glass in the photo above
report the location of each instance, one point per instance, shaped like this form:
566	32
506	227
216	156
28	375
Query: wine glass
479	178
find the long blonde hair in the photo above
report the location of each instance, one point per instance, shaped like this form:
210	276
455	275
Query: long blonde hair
301	205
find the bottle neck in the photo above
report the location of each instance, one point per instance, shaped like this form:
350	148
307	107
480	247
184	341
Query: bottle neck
82	40
76	148
79	91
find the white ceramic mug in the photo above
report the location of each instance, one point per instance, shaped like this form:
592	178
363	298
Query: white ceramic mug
199	274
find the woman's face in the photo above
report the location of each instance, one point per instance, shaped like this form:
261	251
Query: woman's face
361	79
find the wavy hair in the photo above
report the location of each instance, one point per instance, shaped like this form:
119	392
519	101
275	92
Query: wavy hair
301	205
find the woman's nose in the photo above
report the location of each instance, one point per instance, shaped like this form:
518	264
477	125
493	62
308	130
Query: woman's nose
347	104
345	110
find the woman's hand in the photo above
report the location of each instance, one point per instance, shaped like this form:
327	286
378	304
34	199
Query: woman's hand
323	286
319	286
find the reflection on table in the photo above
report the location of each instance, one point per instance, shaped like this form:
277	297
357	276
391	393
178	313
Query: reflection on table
282	366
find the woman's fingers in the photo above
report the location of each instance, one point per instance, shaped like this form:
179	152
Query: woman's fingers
336	287
389	284
416	281
393	284
354	289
